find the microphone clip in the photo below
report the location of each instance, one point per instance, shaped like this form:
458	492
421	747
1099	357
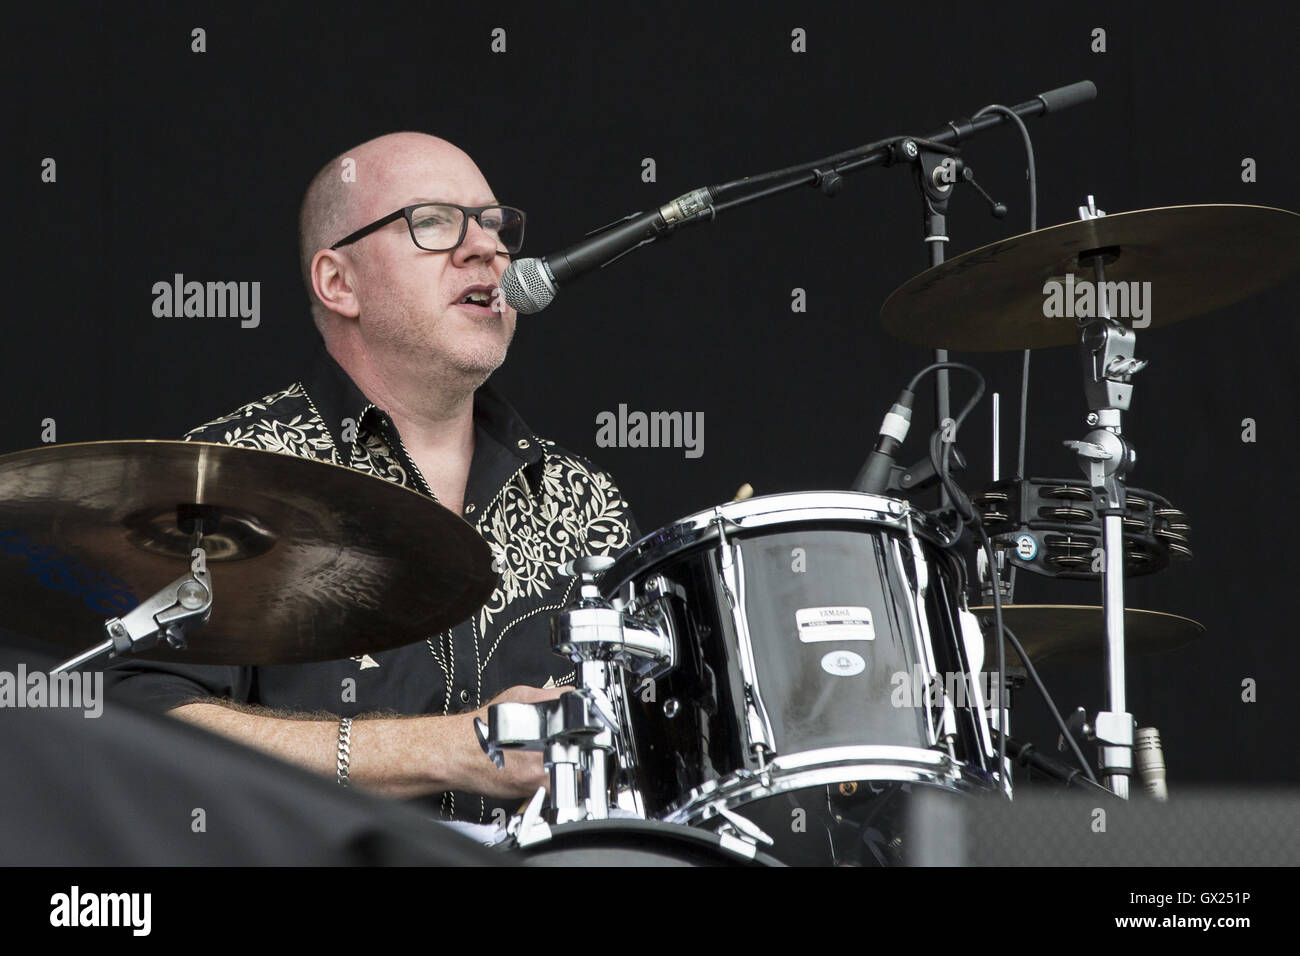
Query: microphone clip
921	475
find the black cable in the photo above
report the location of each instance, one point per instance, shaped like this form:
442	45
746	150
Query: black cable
965	512
1029	153
1051	704
941	449
1024	753
935	366
1004	718
940	457
1033	226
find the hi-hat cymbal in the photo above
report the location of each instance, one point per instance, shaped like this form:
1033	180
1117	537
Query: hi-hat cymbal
309	561
1048	629
1197	259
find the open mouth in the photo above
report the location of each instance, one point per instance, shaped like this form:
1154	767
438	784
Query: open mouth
477	297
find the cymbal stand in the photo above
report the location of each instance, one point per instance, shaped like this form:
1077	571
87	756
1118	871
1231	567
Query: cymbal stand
166	614
1105	456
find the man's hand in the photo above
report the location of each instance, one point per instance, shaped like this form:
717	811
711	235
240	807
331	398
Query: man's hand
523	772
401	757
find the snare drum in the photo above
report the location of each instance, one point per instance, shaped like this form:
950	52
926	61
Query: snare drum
823	666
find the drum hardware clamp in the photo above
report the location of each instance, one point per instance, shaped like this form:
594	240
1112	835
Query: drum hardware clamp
577	731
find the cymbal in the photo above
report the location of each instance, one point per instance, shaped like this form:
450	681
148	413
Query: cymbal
1049	629
1197	259
309	561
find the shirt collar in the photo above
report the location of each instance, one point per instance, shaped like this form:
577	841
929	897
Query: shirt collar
336	397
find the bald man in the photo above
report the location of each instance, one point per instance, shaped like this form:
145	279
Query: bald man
403	244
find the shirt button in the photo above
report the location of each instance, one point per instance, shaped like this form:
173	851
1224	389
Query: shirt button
469	508
523	443
464	697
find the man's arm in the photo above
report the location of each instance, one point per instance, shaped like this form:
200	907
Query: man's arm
397	756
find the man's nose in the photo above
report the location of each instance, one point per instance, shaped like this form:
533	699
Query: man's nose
478	244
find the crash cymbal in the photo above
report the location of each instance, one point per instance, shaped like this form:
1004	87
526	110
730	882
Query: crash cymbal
1197	259
1048	629
309	561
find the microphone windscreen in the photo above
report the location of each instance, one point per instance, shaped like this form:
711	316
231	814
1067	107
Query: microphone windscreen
526	286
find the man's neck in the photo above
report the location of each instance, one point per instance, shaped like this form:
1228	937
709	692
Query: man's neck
434	417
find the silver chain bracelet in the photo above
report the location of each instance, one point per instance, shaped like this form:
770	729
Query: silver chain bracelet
345	750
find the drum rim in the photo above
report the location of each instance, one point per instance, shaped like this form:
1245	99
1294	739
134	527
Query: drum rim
736	851
872	763
766	511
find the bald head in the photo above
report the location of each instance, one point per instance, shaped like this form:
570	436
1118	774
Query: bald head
348	190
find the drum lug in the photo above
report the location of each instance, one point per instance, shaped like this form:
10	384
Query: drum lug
758	725
949	728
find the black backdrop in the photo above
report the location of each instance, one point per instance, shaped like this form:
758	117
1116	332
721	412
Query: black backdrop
174	161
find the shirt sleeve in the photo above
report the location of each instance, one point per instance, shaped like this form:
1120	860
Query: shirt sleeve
158	687
614	493
629	519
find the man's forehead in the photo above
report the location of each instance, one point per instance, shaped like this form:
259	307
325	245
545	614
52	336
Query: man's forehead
424	180
472	201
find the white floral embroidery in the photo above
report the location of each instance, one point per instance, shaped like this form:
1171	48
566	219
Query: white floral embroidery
581	512
576	511
372	455
306	438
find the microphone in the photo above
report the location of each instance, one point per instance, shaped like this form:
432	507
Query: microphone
873	479
1149	761
1027	755
530	285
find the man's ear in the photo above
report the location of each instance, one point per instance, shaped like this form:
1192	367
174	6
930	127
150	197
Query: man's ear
331	279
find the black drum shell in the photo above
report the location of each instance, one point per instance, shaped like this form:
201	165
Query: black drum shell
687	728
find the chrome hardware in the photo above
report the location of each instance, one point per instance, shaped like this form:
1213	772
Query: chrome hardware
186	600
1090	211
758	725
592	630
531	828
743	826
574	738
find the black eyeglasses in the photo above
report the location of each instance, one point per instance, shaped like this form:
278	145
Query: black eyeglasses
440	226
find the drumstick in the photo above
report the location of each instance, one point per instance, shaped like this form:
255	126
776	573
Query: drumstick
744	491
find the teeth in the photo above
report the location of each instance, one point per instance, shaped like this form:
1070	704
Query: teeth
478	298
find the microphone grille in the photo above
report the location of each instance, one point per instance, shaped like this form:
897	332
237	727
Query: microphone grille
526	286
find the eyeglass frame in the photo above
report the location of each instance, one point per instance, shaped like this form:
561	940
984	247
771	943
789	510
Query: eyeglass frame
467	213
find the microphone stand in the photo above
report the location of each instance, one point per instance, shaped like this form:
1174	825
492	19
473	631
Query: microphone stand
936	172
534	291
929	165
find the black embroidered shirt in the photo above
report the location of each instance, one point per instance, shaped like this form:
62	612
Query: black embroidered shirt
536	505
